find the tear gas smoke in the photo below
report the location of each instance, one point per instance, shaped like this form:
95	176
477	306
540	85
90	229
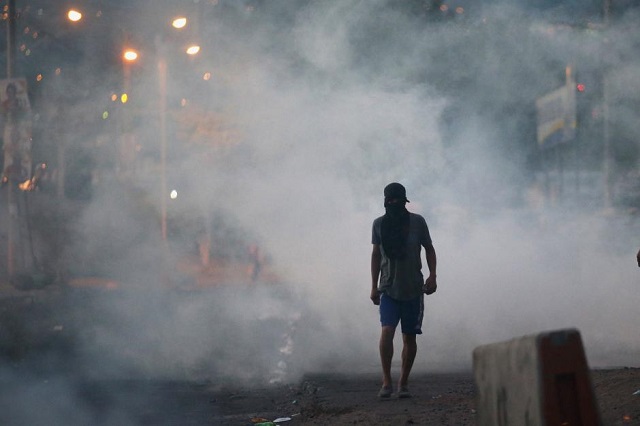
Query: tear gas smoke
328	102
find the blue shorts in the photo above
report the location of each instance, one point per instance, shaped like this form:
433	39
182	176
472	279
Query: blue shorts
409	313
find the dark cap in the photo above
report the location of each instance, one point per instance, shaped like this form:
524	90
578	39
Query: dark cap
395	190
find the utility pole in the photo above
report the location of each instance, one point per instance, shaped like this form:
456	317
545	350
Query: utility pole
11	196
162	88
11	36
606	148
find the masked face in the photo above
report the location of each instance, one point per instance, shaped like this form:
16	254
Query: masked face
395	228
394	207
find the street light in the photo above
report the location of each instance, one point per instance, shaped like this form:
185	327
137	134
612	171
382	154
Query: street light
126	165
74	15
193	50
130	55
179	22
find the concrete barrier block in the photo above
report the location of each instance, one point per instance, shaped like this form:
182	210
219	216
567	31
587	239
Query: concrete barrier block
540	379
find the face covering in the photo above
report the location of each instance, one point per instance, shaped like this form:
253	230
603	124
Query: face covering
395	229
395	210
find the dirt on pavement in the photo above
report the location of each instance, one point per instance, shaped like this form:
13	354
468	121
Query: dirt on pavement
438	399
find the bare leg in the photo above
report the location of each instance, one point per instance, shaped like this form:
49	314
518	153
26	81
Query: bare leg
386	354
409	350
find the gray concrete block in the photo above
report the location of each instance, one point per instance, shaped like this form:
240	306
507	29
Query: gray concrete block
541	379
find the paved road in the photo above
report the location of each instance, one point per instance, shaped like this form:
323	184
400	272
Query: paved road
44	399
65	401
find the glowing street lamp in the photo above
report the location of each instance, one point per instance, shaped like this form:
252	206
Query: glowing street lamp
179	22
127	140
74	15
193	50
130	55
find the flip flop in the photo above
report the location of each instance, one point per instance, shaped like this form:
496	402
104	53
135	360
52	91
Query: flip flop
385	392
403	392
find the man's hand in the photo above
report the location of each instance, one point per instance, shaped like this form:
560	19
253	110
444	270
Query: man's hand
375	296
430	285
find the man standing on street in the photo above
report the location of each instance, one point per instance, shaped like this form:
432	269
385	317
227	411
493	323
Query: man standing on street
397	283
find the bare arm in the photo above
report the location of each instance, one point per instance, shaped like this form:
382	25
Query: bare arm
430	283
376	258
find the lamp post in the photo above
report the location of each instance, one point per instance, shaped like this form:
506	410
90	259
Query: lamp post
606	148
74	16
178	23
129	57
11	201
162	82
126	161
